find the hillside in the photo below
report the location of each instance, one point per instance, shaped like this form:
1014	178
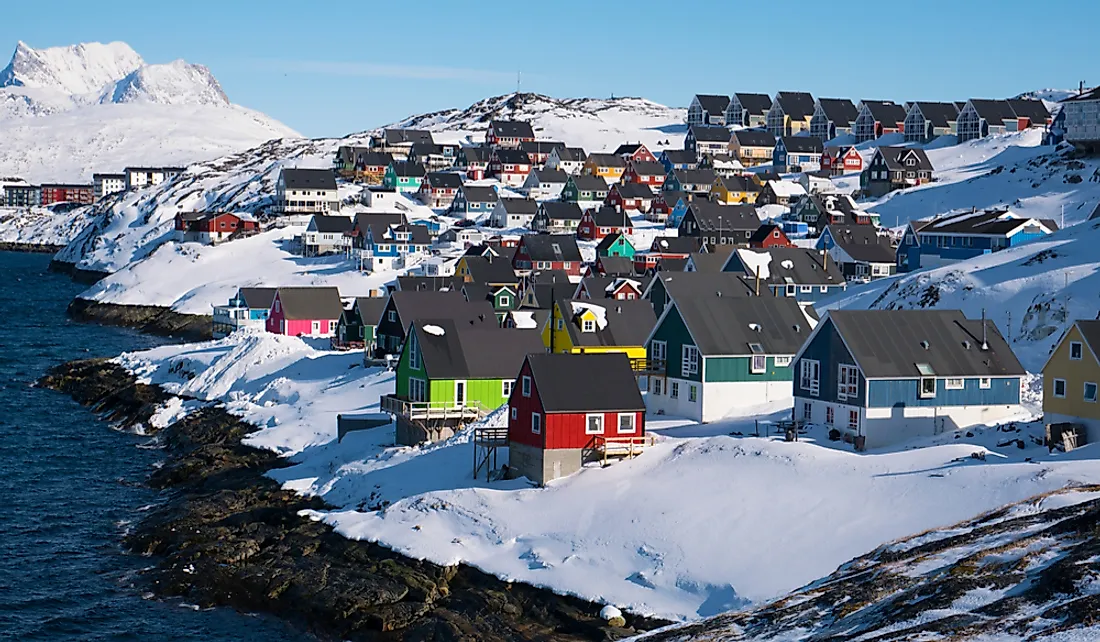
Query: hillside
67	112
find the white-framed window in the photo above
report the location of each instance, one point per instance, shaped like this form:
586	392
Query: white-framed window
830	415
515	412
1076	350
392	316
414	356
1090	391
658	350
536	423
689	360
810	376
693	393
807	411
674	389
853	419
593	424
954	384
805	289
588	325
790	289
418	390
657	386
525	386
506	388
985	383
759	363
927	387
626	422
824	288
782	362
847	382
505	301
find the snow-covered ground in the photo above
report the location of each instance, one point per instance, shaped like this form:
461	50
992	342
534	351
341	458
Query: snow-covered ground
41	226
700	523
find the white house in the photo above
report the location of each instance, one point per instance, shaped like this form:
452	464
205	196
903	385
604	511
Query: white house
327	235
106	184
568	159
545	184
300	191
381	198
513	212
138	177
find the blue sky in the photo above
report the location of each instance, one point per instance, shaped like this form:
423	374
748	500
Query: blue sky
327	72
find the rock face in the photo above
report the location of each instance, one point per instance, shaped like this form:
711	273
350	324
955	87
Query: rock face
147	318
228	536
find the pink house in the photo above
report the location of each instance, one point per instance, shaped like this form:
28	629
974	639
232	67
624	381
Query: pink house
309	311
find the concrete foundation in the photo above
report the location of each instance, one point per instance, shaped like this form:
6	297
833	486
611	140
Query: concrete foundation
541	466
412	434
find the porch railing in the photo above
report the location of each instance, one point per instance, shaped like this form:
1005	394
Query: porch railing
629	447
433	410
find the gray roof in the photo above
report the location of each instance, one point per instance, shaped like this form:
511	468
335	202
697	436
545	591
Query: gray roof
561	210
413	305
298	178
713	104
552	247
939	114
679	156
734	217
589	183
670	197
628	149
464	351
754	138
694	176
739	183
710	133
512	156
628	322
600	159
310	302
545	175
679	285
671	264
728	326
512	129
370	309
1033	109
540	146
796	104
895	158
648	168
487	270
890	343
885	111
863	243
258	298
477	154
426	149
377	222
398	136
444	179
346	153
332	224
598	287
803	144
1090	330
993	111
633	190
994	222
841	111
610	217
755	104
710	261
806	267
519	205
429	283
616	265
373	159
408	168
675	244
479	194
576	154
585	382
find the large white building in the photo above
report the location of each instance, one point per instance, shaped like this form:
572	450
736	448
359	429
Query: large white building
138	177
300	191
1082	119
106	184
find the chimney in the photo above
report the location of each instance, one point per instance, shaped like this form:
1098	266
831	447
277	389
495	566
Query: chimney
985	342
758	282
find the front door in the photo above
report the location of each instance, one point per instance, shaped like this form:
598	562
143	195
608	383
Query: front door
460	393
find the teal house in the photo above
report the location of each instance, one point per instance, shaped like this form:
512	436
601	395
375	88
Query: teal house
404	176
615	244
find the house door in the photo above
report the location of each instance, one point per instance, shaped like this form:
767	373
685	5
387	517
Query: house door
460	393
316	327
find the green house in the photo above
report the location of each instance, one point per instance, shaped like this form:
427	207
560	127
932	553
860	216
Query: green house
722	355
404	176
504	298
356	326
584	188
615	244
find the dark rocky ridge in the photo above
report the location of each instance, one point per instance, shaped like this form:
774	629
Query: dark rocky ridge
146	318
228	536
38	248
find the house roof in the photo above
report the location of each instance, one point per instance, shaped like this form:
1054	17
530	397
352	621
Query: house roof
939	114
890	343
477	154
408	168
628	149
754	138
760	235
671	197
370	309
540	146
993	111
589	183
600	287
1092	94
895	158
863	243
574	154
561	210
676	244
803	144
488	270
429	283
398	136
633	190
610	217
672	264
376	222
420	149
710	133
418	234
679	157
529	318
548	277
345	153
552	247
479	194
500	250
332	224
755	104
885	111
310	303
475	291
373	159
545	175
733	217
1032	109
585	382
996	222
841	111
796	104
453	350
615	265
628	323
413	305
258	298
786	189
791	266
739	183
600	159
512	156
706	284
731	325
511	129
708	261
1090	331
713	104
694	176
444	180
647	168
300	178
519	205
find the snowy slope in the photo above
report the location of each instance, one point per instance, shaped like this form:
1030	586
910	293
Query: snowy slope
41	226
68	112
592	123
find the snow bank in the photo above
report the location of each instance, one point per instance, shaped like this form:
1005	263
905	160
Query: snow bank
598	311
756	262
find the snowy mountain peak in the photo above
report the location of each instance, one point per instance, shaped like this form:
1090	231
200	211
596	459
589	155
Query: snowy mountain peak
76	69
175	83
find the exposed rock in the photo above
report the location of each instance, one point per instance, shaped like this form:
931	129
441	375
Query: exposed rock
147	318
37	248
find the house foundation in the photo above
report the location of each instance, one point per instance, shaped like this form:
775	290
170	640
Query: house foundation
541	466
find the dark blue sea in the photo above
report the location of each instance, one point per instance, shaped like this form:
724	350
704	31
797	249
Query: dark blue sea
70	486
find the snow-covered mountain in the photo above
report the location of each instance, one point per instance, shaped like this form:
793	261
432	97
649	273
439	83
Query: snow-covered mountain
68	112
597	124
1048	95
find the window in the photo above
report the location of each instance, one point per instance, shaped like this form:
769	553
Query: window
657	387
805	288
506	388
391	315
536	423
674	390
515	413
626	422
588	325
1075	350
824	288
782	362
807	411
790	289
693	393
853	419
810	376
985	383
561	324
418	390
505	301
830	415
759	363
927	387
1090	392
847	384
689	360
414	355
953	384
593	424
526	386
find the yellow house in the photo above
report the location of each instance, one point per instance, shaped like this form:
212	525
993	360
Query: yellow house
752	147
599	326
610	167
1070	379
734	190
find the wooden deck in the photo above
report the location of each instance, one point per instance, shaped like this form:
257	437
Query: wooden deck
621	447
432	410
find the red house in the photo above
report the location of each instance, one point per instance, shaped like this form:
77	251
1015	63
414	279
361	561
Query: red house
508	133
769	235
667	247
630	197
211	228
305	311
841	160
635	152
541	252
647	173
509	166
59	193
596	224
566	409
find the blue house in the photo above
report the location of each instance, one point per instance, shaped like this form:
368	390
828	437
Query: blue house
248	307
474	202
956	237
797	154
881	377
796	272
677	203
392	247
678	159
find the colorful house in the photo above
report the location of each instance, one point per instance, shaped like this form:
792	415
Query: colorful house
635	153
584	190
403	176
539	150
877	118
630	197
707	140
618	288
672	159
211	228
557	217
862	253
394	247
566	410
734	190
893	168
797	154
844	159
403	307
474	202
568	159
509	166
355	329
752	146
799	273
668	207
474	161
249	307
649	173
615	244
584	326
748	110
956	237
595	224
508	133
708	109
717	355
305	311
503	298
768	236
790	113
780	193
1070	378
941	373
548	252
606	166
438	189
666	247
692	181
832	117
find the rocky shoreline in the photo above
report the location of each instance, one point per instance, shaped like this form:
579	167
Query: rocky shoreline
35	248
146	318
229	536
